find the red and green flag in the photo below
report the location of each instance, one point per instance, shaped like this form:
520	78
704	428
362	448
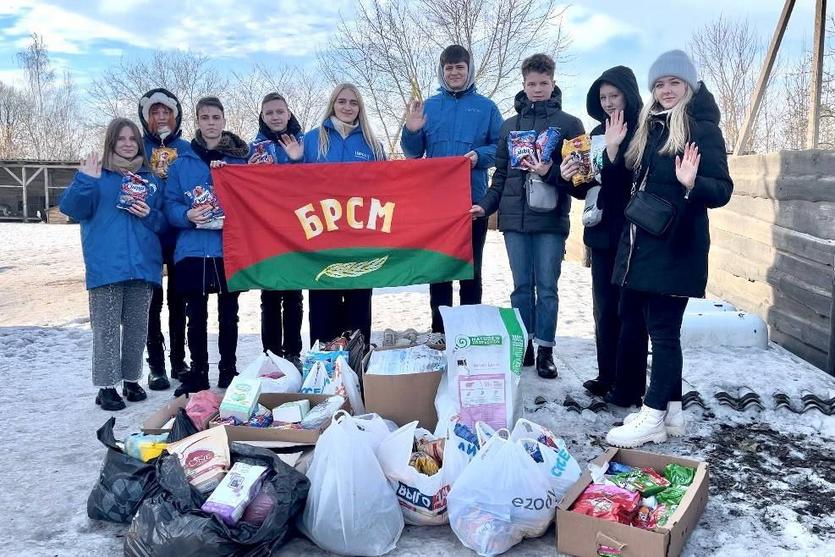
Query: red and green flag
345	225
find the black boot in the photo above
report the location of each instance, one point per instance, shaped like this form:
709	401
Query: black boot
529	359
613	397
178	369
545	362
196	380
225	377
133	392
157	380
597	387
109	399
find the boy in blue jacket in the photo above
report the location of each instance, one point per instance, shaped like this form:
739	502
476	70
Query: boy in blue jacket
456	121
190	206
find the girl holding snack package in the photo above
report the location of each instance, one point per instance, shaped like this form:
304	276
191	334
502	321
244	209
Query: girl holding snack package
344	135
279	141
533	203
680	167
614	100
191	206
117	200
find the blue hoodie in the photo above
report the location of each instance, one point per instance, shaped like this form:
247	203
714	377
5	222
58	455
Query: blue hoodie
188	172
457	123
353	148
271	148
117	245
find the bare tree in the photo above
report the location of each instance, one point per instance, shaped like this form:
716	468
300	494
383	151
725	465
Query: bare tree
34	60
13	107
383	51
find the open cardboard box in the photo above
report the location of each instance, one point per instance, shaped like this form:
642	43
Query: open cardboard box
402	398
581	535
268	436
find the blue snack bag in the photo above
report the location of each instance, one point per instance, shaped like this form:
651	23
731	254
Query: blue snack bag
134	188
546	142
521	145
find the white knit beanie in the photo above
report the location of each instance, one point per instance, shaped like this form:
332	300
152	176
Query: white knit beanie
157	98
674	63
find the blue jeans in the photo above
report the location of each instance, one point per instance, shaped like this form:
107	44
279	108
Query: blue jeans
536	263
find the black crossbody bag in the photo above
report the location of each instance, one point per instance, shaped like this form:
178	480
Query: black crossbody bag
648	211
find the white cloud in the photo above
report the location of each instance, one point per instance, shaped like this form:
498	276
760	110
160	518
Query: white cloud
589	30
112	51
13	77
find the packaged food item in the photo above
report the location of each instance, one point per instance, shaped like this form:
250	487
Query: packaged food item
646	481
645	518
432	447
672	495
162	158
598	145
662	514
204	457
202	406
678	474
521	147
322	412
291	412
145	447
424	463
262	417
134	188
261	153
618	468
241	398
236	490
608	502
261	505
203	196
546	142
579	149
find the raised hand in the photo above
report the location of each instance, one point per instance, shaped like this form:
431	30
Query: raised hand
91	166
292	147
615	129
415	118
687	165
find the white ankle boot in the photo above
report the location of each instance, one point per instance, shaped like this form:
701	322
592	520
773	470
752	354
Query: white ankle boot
674	420
647	426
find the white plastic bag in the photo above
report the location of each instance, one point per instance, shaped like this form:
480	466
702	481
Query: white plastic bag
422	497
501	498
350	508
277	375
558	464
342	381
485	348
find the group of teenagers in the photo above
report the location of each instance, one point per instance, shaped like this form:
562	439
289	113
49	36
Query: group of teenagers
670	153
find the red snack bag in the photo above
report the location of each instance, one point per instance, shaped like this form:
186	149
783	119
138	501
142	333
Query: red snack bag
645	518
608	502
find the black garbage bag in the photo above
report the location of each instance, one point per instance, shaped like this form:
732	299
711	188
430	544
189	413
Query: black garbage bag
123	482
183	427
171	524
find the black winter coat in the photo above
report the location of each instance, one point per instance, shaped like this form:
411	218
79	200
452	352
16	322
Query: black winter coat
507	192
615	178
676	263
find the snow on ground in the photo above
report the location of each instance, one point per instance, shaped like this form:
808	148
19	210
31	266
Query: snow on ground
772	472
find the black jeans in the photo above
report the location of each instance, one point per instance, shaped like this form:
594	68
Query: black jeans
440	293
621	350
661	317
227	342
333	312
281	327
176	319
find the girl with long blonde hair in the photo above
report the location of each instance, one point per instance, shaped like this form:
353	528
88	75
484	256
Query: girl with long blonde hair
680	170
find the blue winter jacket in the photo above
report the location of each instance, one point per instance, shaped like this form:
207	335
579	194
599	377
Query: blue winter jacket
457	123
188	172
272	148
353	148
117	245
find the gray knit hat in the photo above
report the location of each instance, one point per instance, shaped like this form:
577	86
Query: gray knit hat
674	63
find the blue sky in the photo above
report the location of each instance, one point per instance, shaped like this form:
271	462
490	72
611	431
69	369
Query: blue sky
86	37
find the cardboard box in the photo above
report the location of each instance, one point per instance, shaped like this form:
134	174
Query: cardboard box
581	535
264	436
402	398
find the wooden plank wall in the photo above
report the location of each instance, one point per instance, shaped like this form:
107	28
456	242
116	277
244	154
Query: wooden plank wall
773	246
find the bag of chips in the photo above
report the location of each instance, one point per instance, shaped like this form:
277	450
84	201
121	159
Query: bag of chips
579	149
134	188
547	142
608	502
598	145
672	495
521	146
645	481
678	474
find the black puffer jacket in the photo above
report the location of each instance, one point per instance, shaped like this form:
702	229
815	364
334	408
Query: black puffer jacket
676	263
616	179
507	192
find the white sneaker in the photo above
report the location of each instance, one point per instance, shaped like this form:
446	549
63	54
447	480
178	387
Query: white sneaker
674	420
647	426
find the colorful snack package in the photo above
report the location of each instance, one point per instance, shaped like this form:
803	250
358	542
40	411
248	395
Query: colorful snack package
645	481
645	518
424	463
672	495
236	490
618	468
662	514
521	146
204	457
598	145
579	149
546	142
145	447
679	475
202	196
134	188
260	153
608	502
